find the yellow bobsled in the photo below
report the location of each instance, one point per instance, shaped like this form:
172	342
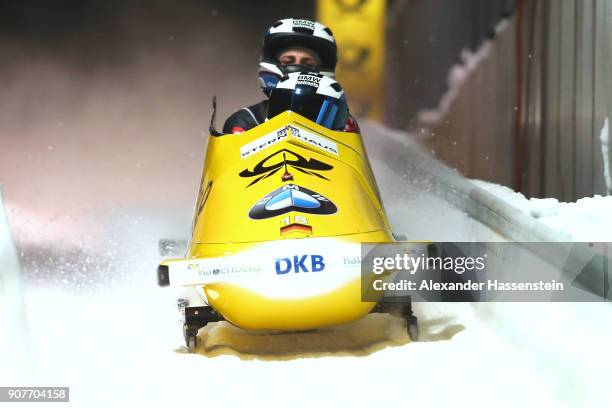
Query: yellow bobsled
281	211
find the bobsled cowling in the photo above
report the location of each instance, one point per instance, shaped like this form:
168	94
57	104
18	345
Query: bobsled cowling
280	214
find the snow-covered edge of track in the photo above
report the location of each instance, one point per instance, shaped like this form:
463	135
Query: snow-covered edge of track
495	213
14	342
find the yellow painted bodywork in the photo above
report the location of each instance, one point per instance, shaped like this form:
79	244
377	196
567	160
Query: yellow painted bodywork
222	225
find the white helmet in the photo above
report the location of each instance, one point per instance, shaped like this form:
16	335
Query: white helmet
293	32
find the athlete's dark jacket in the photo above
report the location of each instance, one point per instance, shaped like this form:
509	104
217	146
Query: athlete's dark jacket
251	116
246	118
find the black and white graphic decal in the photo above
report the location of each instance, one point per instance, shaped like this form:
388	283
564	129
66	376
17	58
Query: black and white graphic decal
263	142
314	140
276	161
305	26
291	197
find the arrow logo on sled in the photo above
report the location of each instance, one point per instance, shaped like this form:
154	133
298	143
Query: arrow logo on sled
274	162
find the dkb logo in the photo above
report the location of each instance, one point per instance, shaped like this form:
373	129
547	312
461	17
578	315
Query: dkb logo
299	264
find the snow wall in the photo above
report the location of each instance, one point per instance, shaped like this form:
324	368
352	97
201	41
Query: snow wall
15	358
590	264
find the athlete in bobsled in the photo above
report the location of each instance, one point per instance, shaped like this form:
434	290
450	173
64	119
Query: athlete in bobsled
282	211
290	45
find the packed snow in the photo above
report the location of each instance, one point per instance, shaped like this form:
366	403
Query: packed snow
588	219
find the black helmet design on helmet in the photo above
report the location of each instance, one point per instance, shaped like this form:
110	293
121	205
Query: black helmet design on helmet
312	95
293	32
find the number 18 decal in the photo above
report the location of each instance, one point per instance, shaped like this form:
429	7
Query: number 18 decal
297	219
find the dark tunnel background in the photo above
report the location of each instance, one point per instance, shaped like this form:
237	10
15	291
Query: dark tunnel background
94	81
96	34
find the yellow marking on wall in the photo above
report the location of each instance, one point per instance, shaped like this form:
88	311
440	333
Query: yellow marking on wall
359	28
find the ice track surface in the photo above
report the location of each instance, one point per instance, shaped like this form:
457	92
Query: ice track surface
116	341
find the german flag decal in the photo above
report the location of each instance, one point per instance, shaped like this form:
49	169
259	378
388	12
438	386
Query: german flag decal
287	229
